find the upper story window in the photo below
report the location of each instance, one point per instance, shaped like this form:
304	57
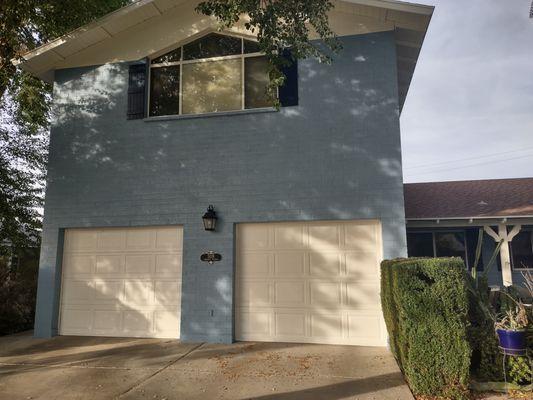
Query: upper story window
212	74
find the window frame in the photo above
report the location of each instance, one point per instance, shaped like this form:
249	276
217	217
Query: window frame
243	56
519	269
433	237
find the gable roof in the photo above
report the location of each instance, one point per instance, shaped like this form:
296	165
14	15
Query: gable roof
147	26
493	198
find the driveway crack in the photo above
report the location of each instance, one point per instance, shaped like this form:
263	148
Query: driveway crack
171	363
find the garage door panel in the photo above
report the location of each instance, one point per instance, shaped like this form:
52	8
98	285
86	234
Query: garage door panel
140	239
289	293
110	264
314	282
362	265
289	236
168	264
360	237
363	295
257	265
124	282
108	291
325	263
167	292
139	264
256	238
81	240
78	291
169	239
324	237
112	239
254	293
137	321
327	294
363	326
256	324
138	293
80	265
289	264
75	320
107	321
290	324
326	326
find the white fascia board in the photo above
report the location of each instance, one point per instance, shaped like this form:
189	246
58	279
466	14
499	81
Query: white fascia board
396	5
78	32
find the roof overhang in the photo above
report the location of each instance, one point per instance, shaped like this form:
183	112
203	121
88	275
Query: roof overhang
450	222
82	46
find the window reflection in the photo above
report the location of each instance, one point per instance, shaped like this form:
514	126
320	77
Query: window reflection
237	81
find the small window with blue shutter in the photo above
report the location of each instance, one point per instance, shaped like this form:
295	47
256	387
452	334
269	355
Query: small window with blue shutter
137	91
288	92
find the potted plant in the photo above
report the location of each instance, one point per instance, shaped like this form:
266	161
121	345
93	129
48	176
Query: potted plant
511	330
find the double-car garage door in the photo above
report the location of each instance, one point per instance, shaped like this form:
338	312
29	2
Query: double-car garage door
314	282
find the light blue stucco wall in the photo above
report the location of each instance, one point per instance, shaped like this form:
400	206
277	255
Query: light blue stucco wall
336	156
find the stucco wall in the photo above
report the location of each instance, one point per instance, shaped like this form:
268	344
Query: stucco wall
335	156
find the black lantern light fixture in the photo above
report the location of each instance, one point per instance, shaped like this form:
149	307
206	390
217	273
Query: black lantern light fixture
210	219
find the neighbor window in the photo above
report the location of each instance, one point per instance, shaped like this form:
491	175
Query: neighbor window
437	244
420	244
212	74
522	250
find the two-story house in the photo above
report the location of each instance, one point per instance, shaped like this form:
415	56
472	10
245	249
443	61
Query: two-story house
157	115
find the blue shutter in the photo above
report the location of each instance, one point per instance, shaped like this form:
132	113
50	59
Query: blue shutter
288	93
137	91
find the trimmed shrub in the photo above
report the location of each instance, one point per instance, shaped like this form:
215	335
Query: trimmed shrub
425	305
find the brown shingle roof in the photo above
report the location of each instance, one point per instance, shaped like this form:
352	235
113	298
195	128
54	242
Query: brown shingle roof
465	199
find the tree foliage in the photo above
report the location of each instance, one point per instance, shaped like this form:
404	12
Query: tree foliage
25	106
280	24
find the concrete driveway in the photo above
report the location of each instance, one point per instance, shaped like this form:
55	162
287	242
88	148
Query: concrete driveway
112	368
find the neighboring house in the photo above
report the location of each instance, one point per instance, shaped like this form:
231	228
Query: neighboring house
444	218
156	117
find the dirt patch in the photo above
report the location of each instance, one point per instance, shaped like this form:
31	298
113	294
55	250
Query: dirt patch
264	364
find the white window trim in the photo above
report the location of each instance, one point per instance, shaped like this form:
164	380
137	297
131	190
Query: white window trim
243	56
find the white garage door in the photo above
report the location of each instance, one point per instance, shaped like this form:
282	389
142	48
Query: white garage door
122	282
309	282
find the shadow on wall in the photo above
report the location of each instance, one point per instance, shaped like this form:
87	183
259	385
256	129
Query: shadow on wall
335	156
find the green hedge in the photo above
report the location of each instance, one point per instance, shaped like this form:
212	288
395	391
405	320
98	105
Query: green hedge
425	304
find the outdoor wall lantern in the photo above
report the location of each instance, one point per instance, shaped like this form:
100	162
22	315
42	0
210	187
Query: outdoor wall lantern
210	219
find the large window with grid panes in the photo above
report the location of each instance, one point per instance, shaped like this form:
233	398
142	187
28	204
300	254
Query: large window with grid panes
214	73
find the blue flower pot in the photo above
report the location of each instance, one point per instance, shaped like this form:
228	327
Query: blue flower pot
512	342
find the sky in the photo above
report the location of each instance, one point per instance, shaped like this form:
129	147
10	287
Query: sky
469	110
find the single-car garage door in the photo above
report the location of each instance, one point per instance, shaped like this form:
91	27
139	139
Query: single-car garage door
312	282
121	282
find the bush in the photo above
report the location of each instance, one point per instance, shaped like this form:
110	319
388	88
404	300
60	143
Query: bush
17	294
425	305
